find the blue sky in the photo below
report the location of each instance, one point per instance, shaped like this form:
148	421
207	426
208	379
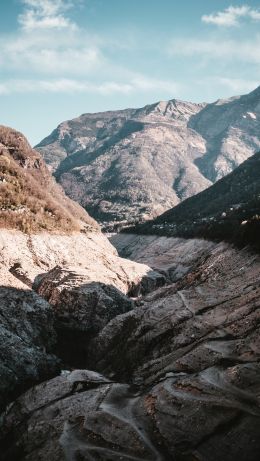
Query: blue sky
62	58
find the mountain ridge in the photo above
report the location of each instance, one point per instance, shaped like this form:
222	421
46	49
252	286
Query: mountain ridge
228	210
133	164
30	199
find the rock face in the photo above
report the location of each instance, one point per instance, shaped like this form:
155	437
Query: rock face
228	210
82	309
82	278
27	338
89	256
172	257
134	164
190	358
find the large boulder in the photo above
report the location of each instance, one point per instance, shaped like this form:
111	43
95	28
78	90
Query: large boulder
27	338
82	308
82	415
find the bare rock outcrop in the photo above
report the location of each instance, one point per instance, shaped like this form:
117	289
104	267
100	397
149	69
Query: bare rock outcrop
207	417
81	276
190	358
172	257
27	340
90	254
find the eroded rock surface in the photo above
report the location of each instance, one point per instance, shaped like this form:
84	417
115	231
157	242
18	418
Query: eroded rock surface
27	339
80	417
81	276
89	254
180	378
173	257
81	308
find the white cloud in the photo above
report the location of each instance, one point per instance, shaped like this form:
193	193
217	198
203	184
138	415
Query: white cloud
39	57
53	52
45	14
61	86
81	86
247	51
232	15
149	84
71	60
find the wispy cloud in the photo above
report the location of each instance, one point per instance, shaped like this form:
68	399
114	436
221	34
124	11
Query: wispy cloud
247	51
58	55
49	53
232	15
72	62
42	46
45	14
61	86
81	86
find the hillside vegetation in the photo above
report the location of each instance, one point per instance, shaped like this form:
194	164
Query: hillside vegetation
30	200
228	210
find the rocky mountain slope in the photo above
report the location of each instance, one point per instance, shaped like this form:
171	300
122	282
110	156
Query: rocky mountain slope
30	200
136	163
228	210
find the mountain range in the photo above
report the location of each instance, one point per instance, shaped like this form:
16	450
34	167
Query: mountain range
131	165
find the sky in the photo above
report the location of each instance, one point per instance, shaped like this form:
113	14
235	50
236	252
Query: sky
62	58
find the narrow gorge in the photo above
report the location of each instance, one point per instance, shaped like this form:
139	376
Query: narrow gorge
154	357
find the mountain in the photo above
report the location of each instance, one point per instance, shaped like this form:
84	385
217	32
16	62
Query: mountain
30	199
228	210
230	128
134	164
103	358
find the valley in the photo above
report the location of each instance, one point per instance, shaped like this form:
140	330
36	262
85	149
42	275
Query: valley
143	346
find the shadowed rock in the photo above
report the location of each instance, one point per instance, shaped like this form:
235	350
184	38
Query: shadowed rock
27	338
190	358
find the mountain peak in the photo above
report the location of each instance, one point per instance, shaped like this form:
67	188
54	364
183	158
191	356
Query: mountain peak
135	164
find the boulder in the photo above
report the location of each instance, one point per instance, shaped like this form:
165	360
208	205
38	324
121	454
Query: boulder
27	339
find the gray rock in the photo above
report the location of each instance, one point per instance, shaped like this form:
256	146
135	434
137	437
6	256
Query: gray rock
82	308
190	356
27	339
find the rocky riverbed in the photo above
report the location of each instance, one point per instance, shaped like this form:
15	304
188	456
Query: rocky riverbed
174	376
